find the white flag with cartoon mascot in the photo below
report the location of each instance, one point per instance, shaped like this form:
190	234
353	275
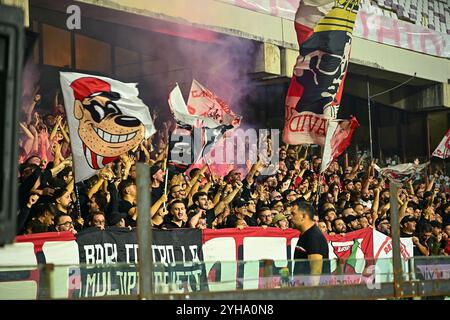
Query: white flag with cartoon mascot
106	119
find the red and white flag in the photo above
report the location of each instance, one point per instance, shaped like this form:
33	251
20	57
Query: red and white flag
324	33
106	119
212	110
338	138
443	149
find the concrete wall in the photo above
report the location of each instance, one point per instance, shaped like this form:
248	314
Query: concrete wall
233	20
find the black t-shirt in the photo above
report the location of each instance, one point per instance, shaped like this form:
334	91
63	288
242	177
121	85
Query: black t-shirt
403	234
231	221
209	216
172	225
124	207
311	242
157	193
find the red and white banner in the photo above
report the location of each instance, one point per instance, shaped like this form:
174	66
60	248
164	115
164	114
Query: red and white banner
251	258
338	138
106	119
443	149
369	25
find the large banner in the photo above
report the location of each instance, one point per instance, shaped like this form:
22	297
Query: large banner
188	260
177	255
369	25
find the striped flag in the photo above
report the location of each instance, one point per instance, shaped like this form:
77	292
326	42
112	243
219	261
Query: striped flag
324	31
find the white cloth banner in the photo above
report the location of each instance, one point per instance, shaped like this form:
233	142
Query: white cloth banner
106	119
369	25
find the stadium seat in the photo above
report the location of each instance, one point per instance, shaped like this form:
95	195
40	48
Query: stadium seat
432	14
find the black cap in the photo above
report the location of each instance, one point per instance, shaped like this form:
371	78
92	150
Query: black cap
350	218
408	218
154	169
58	193
240	202
427	194
379	220
436	224
115	217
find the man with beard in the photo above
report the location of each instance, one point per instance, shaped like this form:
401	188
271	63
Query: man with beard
265	217
157	178
128	202
339	226
291	159
177	216
240	212
408	226
201	211
311	244
383	225
365	200
352	223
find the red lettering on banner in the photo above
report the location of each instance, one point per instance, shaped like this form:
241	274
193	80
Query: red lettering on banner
427	38
342	249
363	17
310	122
322	127
388	31
303	124
274	7
409	38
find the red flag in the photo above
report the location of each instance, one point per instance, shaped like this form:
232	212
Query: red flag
316	87
339	136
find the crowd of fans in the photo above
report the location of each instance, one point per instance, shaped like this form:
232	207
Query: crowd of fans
346	197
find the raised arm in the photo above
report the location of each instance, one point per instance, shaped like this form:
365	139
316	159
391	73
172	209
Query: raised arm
375	205
221	205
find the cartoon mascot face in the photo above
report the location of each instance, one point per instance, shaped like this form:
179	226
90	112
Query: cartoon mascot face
105	132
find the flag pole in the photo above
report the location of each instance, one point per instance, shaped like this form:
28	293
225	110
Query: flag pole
166	182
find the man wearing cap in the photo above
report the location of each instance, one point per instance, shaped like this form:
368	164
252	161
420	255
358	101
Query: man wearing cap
311	244
104	131
383	225
434	243
408	226
280	221
117	219
240	212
